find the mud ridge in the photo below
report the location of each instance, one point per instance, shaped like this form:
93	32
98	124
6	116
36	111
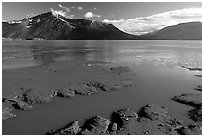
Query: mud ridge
151	119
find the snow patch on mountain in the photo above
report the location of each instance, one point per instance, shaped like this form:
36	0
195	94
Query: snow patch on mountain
56	13
15	21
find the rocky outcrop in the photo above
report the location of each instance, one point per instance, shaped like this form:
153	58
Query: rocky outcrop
151	119
190	130
65	93
124	117
95	126
196	114
70	129
91	87
103	86
154	119
154	112
112	128
6	113
83	88
16	103
23	101
36	97
8	105
19	104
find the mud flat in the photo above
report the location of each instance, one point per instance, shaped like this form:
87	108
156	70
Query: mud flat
37	85
41	85
25	88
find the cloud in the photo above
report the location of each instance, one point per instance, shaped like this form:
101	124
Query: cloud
30	15
71	16
62	13
58	12
144	25
80	8
67	9
91	15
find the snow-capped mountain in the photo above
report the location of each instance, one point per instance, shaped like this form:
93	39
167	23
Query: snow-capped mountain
52	26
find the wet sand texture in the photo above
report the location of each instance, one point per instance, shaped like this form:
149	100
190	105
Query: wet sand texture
151	119
24	97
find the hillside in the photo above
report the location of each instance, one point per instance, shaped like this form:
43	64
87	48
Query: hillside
50	26
55	27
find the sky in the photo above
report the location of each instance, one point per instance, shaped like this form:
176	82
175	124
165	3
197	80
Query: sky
131	17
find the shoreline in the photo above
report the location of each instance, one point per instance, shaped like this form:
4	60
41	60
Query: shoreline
56	79
150	120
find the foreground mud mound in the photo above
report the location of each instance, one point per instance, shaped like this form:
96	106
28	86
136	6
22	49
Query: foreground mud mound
71	129
30	96
195	114
6	113
198	75
190	99
190	130
192	68
194	100
199	88
151	119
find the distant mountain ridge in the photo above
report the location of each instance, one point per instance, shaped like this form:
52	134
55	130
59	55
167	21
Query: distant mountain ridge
182	31
50	26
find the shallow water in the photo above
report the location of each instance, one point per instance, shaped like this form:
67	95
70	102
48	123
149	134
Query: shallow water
16	54
155	63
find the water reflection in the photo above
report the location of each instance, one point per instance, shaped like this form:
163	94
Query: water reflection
18	54
43	55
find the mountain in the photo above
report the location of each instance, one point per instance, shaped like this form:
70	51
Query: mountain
51	26
182	31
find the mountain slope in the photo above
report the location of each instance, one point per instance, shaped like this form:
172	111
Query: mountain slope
182	31
51	26
55	27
